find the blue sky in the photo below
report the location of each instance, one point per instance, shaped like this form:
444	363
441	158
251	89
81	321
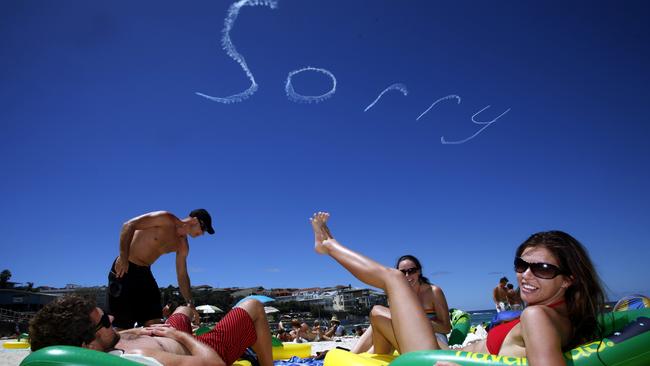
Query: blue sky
101	122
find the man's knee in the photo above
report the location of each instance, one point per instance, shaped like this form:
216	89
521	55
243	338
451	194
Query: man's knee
253	307
186	310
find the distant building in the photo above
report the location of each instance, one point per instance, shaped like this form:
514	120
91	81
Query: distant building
279	292
24	301
96	293
336	299
243	292
357	298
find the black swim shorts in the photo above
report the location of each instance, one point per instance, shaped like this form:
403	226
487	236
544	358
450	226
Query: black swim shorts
133	298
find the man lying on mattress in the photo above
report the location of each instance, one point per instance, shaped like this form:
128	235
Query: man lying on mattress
75	321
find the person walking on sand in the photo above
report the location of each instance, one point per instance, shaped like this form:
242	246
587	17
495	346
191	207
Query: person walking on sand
500	295
133	294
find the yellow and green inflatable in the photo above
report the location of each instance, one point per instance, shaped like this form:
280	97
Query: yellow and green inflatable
628	344
77	356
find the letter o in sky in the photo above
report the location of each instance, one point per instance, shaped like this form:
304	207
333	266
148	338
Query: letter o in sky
293	96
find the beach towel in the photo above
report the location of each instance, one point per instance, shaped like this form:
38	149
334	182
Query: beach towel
297	361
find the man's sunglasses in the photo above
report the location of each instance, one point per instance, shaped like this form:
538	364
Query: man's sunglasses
409	271
540	270
104	322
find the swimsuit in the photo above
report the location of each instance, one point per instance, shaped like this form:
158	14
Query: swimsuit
134	297
230	336
498	334
431	314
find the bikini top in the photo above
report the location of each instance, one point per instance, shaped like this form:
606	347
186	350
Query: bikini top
431	314
498	334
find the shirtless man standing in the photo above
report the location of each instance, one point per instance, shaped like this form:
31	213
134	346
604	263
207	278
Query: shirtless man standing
133	294
75	321
514	299
500	295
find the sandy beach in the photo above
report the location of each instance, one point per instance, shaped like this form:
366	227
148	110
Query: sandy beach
9	357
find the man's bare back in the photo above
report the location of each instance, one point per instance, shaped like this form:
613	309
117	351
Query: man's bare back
500	294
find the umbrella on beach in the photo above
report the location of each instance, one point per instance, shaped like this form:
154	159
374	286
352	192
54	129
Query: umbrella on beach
208	309
270	309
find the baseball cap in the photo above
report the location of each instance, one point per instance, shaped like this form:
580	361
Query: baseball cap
204	219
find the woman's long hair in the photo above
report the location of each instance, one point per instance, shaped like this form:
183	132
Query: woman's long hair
584	297
418	265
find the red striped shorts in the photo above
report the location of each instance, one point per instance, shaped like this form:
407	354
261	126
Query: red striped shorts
229	338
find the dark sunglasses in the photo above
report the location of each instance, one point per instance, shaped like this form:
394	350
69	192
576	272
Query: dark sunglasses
541	270
409	271
104	322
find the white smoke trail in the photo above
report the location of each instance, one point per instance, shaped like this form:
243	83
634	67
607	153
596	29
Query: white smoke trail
396	86
291	93
229	47
487	124
454	96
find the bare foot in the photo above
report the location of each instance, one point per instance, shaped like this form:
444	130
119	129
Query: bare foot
318	223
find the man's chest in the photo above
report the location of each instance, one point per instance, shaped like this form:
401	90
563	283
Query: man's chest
161	239
136	344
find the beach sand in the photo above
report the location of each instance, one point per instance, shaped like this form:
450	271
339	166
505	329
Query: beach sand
345	342
10	357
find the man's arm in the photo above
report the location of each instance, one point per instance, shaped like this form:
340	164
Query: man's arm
181	271
330	332
201	354
184	278
152	219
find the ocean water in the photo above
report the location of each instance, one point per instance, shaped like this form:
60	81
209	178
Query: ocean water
476	317
480	316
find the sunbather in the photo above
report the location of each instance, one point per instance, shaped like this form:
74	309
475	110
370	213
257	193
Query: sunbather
75	321
431	297
557	281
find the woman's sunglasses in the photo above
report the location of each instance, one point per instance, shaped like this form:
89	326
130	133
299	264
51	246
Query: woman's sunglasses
409	271
104	322
541	270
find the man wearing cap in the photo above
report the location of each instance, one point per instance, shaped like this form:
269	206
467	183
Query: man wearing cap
336	329
133	294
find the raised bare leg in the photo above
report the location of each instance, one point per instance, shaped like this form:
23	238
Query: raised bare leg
412	329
